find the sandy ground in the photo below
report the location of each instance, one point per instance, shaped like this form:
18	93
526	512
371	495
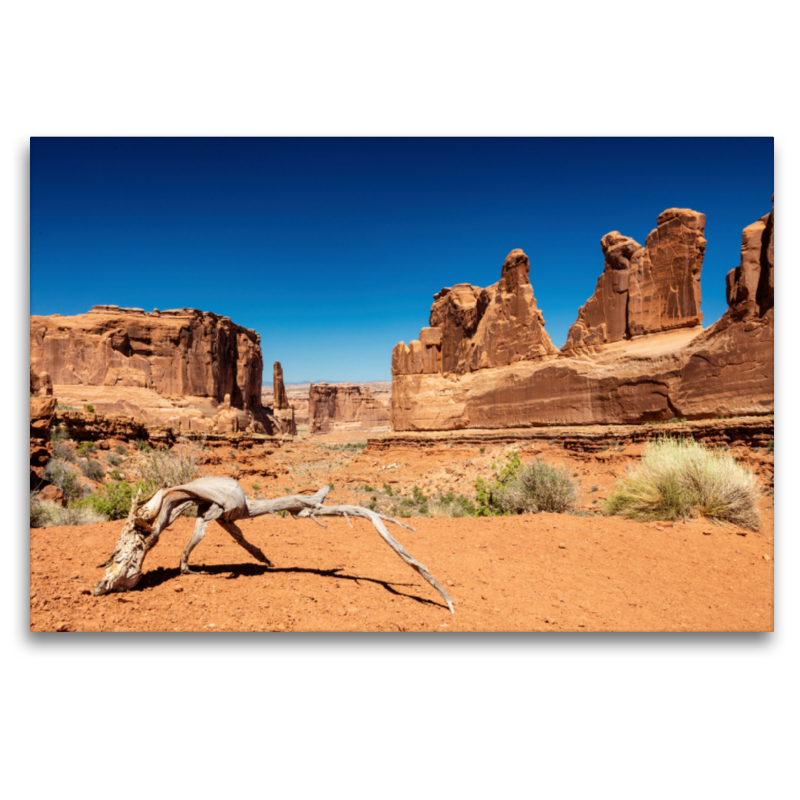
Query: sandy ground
543	572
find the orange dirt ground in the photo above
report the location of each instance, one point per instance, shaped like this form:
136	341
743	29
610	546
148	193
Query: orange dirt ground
545	572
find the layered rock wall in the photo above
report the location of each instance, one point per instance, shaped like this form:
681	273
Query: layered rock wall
183	352
344	407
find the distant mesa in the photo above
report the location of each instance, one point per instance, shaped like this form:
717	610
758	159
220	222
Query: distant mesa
345	407
636	353
185	368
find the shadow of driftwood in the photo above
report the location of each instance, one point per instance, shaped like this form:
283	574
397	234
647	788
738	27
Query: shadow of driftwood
234	571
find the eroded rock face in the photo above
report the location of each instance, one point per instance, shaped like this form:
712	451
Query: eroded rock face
645	290
344	407
182	352
653	362
473	328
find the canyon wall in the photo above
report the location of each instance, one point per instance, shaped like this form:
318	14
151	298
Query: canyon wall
637	352
344	407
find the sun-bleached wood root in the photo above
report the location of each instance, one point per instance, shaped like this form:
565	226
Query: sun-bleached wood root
223	500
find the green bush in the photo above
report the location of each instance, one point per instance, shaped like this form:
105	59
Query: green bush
679	479
143	446
526	489
112	501
85	449
121	449
90	408
387	489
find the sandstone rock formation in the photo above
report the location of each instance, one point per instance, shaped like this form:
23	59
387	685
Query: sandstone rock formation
658	365
191	369
344	407
473	328
182	352
281	410
645	290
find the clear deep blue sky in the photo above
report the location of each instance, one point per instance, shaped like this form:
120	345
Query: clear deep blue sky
332	248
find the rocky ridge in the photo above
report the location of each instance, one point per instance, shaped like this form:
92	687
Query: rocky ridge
344	407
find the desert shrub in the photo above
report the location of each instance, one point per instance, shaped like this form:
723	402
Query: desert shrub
680	479
38	513
65	479
387	489
770	448
526	489
90	408
367	488
85	449
113	459
452	505
63	452
143	446
92	469
159	468
121	449
111	501
56	515
59	433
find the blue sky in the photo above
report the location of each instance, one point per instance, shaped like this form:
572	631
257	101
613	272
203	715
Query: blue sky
332	248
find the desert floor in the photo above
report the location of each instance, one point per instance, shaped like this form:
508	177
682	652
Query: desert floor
544	572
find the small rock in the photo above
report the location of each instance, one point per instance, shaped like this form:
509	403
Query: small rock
562	546
741	533
62	627
549	621
767	558
706	533
178	588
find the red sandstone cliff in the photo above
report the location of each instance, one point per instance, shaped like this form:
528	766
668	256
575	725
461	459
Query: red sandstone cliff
344	407
637	352
645	290
182	352
282	411
473	328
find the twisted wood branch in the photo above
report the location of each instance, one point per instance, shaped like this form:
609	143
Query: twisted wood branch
223	500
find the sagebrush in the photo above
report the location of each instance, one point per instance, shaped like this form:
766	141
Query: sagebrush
680	479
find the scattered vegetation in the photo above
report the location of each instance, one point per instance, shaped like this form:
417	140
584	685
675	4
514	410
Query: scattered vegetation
121	449
452	505
63	452
90	408
354	447
143	446
92	469
111	501
46	514
59	433
65	479
114	460
387	489
680	478
770	448
526	489
84	449
168	467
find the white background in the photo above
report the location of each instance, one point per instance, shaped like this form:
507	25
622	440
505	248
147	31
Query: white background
640	716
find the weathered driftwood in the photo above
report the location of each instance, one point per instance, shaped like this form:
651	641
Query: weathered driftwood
223	500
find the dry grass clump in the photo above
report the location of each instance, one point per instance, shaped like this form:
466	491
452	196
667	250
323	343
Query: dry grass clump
680	479
47	514
174	467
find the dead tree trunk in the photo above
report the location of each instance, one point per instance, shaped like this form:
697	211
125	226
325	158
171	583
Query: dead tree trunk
223	500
